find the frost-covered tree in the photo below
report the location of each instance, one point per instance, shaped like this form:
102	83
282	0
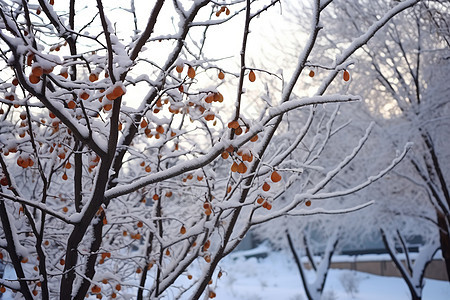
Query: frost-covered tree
126	160
407	64
401	71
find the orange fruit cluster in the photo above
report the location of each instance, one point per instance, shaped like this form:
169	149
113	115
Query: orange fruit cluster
25	162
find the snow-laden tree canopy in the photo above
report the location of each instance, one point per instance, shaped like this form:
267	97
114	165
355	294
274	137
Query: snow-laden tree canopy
131	150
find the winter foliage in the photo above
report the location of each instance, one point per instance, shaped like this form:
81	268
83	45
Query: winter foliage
133	151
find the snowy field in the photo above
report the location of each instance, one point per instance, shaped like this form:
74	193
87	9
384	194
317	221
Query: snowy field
276	277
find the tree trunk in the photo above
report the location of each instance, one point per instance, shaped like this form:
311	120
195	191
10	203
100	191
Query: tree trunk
444	238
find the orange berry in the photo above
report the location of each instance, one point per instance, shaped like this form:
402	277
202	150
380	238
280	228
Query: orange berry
238	131
191	72
275	177
221	75
251	76
116	93
308	203
64	74
206	245
169	194
23	115
35	292
155	197
93	77
37	71
15	82
71	104
34	79
2	289
183	230
346	75
62	262
30	58
104	281
24	260
225	155
218	97
140	224
113	295
84	95
148	169
96	289
179	68
207	258
107	107
64	176
65	209
233	124
160	129
266	187
242	168
118	287
234	167
254	139
260	200
311	73
138	270
210	117
144	123
189	276
208	212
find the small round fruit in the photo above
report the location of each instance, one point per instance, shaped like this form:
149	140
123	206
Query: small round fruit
275	177
346	75
251	76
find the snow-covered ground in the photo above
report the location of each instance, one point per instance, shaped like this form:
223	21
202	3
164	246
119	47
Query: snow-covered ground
276	277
